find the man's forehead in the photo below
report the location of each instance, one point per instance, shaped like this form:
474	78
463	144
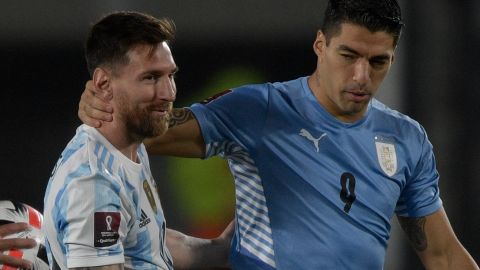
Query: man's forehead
159	55
146	51
360	39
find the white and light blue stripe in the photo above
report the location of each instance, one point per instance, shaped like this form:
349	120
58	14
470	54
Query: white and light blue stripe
251	208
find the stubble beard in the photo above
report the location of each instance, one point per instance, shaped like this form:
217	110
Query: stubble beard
351	107
141	124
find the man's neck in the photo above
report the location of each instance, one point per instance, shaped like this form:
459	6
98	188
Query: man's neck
119	137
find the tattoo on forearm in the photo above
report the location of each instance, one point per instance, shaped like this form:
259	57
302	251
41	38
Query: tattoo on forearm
415	230
180	116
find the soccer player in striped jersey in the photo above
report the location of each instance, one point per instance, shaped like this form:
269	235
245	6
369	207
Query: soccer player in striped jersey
102	209
321	166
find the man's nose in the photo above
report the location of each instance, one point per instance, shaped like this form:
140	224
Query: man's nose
361	71
168	91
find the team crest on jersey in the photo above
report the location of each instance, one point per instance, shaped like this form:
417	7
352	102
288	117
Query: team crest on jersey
150	197
212	98
386	154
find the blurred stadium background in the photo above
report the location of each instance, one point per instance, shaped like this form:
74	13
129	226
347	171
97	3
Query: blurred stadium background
222	44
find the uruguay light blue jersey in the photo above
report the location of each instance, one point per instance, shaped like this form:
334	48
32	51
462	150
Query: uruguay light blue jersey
313	192
102	208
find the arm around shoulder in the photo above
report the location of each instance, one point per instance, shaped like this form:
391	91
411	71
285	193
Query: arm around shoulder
183	138
436	243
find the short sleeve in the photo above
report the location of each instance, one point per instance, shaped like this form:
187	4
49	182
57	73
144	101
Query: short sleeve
421	195
233	119
92	221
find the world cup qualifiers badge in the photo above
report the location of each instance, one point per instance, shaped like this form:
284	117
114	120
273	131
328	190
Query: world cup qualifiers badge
106	228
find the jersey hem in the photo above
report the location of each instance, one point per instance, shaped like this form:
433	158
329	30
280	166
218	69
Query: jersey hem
95	261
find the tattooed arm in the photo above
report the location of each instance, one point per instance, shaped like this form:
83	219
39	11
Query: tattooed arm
433	239
182	139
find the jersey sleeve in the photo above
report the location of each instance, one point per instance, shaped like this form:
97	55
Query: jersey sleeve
93	222
421	195
233	119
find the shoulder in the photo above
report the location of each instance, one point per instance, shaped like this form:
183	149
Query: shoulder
263	91
86	154
275	88
245	109
395	120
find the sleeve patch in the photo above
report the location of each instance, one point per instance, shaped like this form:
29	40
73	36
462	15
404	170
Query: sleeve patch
214	97
106	228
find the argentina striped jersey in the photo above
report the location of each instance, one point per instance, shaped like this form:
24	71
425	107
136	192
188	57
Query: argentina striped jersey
101	208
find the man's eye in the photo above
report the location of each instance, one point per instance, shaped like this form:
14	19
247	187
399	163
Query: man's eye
348	56
377	63
150	78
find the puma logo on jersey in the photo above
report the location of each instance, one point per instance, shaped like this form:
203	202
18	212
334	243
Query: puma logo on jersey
306	134
144	220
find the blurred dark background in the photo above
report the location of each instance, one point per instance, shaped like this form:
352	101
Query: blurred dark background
223	44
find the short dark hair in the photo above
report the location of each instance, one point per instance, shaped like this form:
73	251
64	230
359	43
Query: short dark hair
110	39
375	15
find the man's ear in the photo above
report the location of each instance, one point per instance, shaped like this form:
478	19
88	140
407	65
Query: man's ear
320	43
102	81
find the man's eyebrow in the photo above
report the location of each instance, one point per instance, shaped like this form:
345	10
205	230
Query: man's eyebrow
382	57
348	49
352	51
159	72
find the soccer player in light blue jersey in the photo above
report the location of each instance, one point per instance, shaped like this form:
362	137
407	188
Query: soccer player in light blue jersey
102	209
320	166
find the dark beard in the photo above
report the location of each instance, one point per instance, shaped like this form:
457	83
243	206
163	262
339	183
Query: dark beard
141	124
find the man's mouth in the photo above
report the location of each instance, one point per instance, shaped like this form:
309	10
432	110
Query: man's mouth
161	110
358	96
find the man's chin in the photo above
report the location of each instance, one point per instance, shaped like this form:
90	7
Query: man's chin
159	131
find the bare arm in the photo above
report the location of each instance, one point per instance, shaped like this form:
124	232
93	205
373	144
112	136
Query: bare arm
433	239
14	243
182	139
193	253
